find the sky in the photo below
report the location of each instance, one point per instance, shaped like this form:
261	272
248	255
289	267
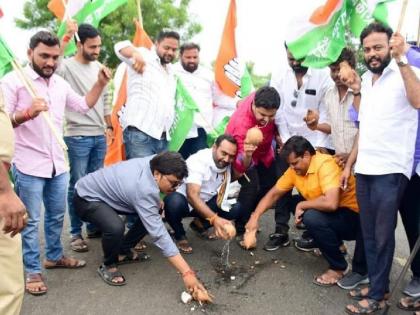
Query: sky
261	31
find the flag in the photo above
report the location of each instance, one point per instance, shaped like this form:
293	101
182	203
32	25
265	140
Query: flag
319	32
217	131
70	9
231	74
6	58
92	13
185	107
116	151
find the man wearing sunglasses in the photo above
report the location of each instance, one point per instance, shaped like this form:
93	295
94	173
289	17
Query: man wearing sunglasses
301	89
132	187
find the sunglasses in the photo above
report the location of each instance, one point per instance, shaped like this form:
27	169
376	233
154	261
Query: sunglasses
295	95
174	184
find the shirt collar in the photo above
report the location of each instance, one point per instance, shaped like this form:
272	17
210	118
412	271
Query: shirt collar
35	76
311	168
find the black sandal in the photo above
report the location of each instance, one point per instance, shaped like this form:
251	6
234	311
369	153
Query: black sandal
373	306
413	304
108	276
358	296
133	258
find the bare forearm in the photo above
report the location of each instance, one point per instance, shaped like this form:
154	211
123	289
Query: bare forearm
200	206
321	203
412	85
267	202
325	128
93	95
108	121
179	263
353	154
5	186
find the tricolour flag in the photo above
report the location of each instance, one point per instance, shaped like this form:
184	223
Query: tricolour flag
319	32
185	108
231	74
66	8
116	151
83	11
6	58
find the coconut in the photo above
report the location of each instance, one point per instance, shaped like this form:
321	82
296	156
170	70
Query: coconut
254	136
230	230
311	115
250	239
346	73
186	297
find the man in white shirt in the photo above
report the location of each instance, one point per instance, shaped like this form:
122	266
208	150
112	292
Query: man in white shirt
149	112
390	94
199	82
300	89
202	195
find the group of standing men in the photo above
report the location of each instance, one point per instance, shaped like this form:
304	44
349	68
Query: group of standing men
312	153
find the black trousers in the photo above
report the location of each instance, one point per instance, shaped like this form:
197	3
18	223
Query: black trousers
107	219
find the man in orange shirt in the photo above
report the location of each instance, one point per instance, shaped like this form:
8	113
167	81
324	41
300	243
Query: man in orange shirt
329	213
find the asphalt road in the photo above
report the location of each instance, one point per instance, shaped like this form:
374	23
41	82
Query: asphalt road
277	282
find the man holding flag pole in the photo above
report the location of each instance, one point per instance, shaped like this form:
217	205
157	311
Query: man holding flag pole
39	167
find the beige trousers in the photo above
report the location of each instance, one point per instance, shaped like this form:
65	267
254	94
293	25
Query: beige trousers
11	273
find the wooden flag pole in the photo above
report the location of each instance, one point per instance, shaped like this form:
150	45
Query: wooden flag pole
140	16
402	15
32	91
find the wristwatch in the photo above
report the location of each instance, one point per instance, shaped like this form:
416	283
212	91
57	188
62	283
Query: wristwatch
402	62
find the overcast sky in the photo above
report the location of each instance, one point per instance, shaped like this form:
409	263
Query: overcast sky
262	26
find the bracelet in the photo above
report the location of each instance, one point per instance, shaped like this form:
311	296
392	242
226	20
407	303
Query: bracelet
189	272
27	115
357	94
110	127
66	38
212	218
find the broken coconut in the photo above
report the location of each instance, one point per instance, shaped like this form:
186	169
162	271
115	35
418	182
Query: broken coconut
230	230
250	239
254	136
186	297
346	73
311	115
202	296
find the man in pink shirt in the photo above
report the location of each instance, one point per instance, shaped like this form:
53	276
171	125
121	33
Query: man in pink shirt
257	110
39	168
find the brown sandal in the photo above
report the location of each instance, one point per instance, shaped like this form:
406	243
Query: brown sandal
65	262
184	247
35	284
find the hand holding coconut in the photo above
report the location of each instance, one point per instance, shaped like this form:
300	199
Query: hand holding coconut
349	77
250	236
312	119
223	228
196	288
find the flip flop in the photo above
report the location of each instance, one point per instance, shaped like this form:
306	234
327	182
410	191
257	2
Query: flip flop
65	262
107	275
413	304
184	247
326	285
32	278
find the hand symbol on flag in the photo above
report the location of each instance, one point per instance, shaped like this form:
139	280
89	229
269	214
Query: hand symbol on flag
232	71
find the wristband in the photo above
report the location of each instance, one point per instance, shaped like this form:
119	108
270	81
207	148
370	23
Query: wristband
212	218
66	38
27	115
357	94
189	272
110	127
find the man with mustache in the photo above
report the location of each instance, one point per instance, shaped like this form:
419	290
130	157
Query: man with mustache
301	89
84	134
39	168
150	109
199	81
387	98
208	171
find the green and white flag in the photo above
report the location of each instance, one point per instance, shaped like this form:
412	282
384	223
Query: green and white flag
319	31
185	108
92	13
6	58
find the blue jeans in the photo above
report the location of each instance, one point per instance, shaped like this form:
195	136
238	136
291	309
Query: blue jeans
329	229
33	191
139	144
86	155
176	208
379	197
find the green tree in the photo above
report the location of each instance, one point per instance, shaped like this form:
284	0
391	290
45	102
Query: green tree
157	14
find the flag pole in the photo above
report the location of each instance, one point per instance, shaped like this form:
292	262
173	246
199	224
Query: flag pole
140	16
402	15
418	33
32	91
65	17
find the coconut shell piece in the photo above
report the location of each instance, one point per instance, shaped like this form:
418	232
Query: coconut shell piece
250	239
254	136
230	230
311	115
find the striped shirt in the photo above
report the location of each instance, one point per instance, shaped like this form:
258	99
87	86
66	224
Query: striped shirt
150	103
343	130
